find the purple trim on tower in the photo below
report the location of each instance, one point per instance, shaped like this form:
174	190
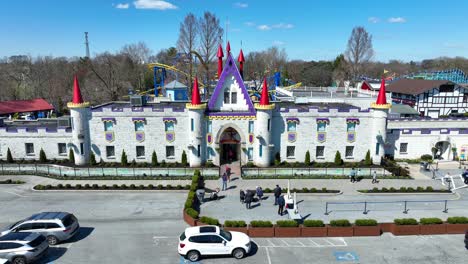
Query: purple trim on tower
68	130
110	119
463	131
11	130
446	132
117	109
425	131
230	114
407	131
137	109
169	119
323	120
51	130
292	119
352	120
31	129
139	119
230	68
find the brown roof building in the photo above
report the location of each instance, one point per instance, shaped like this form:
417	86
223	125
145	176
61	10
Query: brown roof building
415	86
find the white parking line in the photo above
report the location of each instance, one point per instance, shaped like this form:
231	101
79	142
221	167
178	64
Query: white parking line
300	243
326	240
14	194
285	242
269	241
316	244
268	255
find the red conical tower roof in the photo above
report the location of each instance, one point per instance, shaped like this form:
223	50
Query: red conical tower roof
220	53
241	57
195	93
77	100
381	98
264	99
228	47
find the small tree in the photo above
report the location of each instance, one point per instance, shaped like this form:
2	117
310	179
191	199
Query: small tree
307	158
42	156
92	159
154	159
71	156
184	158
368	160
338	160
9	157
123	159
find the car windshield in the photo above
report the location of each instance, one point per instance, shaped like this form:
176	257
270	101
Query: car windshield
15	224
226	234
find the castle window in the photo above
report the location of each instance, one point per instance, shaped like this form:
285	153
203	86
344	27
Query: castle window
170	152
110	152
62	149
446	88
260	150
320	151
349	151
82	149
321	127
108	126
226	97
291	127
169	126
139	126
251	127
233	98
351	127
192	124
377	148
269	124
29	148
290	152
210	126
403	148
140	152
250	153
210	153
198	151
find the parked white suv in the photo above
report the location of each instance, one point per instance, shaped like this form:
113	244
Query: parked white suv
211	240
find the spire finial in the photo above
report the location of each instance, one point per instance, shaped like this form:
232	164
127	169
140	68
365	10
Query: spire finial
264	100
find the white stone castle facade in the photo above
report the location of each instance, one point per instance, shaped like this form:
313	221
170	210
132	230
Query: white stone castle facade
230	127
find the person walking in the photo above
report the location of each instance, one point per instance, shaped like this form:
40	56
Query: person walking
242	196
465	176
281	203
374	177
228	172
259	191
248	198
224	179
277	193
352	175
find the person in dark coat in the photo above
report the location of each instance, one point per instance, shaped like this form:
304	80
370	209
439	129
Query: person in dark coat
277	193
259	191
249	196
281	203
224	178
242	196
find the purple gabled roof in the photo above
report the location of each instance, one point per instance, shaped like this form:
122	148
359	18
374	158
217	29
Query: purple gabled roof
230	68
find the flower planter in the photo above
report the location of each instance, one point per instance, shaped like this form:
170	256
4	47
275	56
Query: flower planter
336	231
261	231
433	229
198	223
314	231
367	230
457	228
244	230
189	220
287	231
405	230
386	227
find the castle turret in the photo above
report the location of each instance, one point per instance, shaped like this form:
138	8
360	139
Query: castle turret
379	124
220	56
80	114
241	61
196	111
263	127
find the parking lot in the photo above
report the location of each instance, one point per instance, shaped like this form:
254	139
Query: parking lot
143	227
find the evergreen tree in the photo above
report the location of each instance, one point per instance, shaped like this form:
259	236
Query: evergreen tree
154	159
9	156
123	159
42	156
307	158
338	160
184	158
92	159
368	160
71	156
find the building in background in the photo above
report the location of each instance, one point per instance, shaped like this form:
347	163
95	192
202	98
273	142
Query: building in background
26	109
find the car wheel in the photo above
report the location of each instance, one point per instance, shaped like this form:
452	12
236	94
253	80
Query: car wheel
19	260
193	255
238	253
52	240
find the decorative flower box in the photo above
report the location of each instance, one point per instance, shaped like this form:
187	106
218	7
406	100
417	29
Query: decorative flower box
189	220
456	228
340	231
244	230
367	230
314	231
405	230
386	227
287	231
433	229
261	231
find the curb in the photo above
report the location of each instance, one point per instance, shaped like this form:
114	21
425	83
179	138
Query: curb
403	193
73	190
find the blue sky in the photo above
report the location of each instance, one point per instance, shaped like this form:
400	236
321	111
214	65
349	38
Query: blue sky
307	29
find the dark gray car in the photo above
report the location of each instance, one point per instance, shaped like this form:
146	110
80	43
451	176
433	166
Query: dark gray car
22	248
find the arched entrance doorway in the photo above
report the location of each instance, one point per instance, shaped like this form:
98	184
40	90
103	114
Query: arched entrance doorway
443	150
230	146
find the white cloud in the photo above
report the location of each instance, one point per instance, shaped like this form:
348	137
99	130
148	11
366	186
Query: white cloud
241	5
283	26
235	30
452	45
153	4
249	24
122	6
396	20
373	20
278	43
264	27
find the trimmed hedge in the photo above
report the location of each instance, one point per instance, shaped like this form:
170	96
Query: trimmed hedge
431	221
287	223
260	223
457	220
10	181
405	190
365	222
209	221
105	187
234	223
405	221
340	222
303	190
192	212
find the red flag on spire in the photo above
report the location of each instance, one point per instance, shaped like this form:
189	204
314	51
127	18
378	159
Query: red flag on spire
77	98
382	98
195	93
264	99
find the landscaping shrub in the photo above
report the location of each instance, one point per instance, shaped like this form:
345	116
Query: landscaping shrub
68	186
405	221
287	223
87	186
48	186
324	190
95	186
410	189
9	156
260	223
430	221
184	158
313	223
307	159
420	189
141	187
60	186
267	190
392	189
368	160
209	221
78	186
39	187
233	223
305	190
123	186
154	159
384	189
123	159
403	189
457	220
132	186
192	212
159	187
429	189
365	222
375	189
338	160
42	156
168	187
340	222
115	186
179	187
151	186
92	159
426	157
313	190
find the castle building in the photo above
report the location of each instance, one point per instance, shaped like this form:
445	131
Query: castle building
230	127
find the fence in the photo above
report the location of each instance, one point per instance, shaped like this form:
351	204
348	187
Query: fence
320	172
403	206
63	171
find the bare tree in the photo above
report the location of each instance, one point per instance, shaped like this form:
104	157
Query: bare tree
359	50
187	42
210	36
138	52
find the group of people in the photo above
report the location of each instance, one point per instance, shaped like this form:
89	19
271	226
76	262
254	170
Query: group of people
248	196
353	173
